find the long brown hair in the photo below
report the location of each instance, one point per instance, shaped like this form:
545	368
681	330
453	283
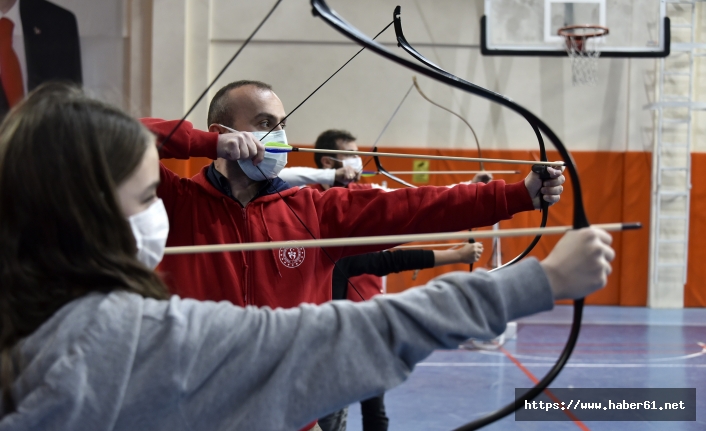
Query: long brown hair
62	232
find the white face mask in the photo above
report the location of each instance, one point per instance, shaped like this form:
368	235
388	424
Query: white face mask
272	164
354	162
150	228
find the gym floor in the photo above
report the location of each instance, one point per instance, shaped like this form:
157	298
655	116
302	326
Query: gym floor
619	347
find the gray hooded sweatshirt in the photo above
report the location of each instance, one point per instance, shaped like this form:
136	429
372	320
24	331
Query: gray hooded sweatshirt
123	362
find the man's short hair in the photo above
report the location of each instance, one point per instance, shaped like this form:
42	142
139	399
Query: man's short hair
328	140
220	110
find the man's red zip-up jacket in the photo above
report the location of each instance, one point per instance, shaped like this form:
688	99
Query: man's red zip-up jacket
201	214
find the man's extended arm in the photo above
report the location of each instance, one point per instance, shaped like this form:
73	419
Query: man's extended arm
301	176
351	213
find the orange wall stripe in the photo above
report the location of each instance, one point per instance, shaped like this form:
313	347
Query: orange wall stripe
695	291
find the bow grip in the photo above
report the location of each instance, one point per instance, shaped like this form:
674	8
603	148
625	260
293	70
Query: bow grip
541	170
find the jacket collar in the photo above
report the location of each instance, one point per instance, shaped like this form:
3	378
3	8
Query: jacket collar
221	183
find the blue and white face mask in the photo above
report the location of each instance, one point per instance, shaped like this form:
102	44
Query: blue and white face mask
272	164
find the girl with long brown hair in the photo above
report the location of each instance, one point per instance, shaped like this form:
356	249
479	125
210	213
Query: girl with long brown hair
91	340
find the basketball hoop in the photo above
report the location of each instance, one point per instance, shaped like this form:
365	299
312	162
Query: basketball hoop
582	49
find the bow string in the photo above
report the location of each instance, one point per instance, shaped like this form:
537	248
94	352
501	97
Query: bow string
218	76
380	169
457	115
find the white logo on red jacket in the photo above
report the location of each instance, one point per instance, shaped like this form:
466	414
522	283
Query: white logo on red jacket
291	257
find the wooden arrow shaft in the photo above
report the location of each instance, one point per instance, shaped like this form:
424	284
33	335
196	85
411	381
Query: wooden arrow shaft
388	239
452	172
445	244
426	156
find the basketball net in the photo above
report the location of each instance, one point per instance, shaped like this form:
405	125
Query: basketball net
581	43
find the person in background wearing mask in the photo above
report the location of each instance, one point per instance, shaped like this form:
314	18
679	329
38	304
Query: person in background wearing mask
239	198
345	141
339	170
90	338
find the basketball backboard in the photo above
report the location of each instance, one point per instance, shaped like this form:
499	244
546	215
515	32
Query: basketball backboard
638	28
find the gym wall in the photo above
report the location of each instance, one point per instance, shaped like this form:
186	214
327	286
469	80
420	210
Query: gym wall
606	127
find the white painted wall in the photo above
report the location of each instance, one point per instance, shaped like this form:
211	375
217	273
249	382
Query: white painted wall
295	52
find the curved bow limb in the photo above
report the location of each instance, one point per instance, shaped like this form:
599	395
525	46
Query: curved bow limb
384	171
580	220
402	43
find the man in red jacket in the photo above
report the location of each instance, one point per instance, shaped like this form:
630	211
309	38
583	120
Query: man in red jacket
227	203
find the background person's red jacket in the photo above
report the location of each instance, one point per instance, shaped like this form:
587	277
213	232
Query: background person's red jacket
200	214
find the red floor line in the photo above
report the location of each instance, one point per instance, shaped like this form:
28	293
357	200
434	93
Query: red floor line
535	380
611	344
610	352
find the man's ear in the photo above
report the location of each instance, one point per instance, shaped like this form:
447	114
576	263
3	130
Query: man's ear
215	128
327	163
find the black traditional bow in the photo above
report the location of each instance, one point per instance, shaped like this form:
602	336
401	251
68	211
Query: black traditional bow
580	220
541	170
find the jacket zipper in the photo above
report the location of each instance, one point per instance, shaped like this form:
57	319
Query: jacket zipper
247	294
